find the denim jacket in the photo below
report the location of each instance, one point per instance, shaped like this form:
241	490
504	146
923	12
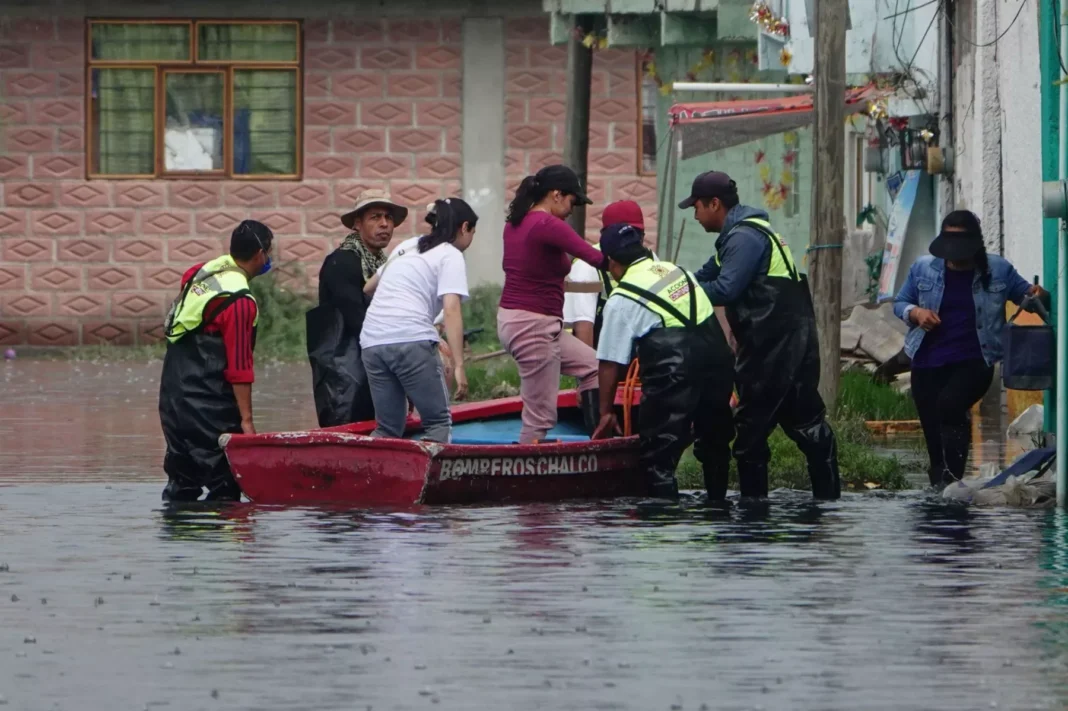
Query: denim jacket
924	288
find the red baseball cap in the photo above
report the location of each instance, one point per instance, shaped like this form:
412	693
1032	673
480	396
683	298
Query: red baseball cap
623	212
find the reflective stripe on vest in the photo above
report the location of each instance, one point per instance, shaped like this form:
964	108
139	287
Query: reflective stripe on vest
781	265
220	277
668	291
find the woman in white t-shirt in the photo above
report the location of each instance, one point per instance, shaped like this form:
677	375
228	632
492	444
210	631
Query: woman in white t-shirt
422	277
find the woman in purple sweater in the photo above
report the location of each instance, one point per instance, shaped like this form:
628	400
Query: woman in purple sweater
538	247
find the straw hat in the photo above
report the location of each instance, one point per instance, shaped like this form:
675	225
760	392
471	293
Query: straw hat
375	197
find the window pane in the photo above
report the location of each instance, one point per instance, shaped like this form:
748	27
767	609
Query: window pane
265	122
247	43
124	127
129	41
193	133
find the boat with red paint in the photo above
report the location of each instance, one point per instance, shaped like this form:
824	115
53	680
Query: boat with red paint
483	463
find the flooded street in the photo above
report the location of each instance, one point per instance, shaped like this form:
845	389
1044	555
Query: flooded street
107	601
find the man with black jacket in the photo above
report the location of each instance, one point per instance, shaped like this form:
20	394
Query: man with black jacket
769	308
340	384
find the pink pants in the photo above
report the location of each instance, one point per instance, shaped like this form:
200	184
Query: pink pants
542	350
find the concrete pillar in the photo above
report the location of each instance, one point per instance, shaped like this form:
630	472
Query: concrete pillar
483	144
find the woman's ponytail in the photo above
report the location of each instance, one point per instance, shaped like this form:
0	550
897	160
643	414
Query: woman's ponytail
527	195
446	217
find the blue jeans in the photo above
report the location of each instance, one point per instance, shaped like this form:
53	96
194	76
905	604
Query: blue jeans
399	371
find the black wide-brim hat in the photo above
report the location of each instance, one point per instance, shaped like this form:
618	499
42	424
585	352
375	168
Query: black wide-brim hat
956	246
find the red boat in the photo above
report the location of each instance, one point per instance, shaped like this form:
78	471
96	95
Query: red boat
483	463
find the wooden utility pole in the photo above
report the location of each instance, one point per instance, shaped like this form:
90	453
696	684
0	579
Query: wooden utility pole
577	117
828	190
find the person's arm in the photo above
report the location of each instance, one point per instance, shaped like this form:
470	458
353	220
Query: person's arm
559	234
372	283
454	335
709	271
343	273
583	330
740	261
235	324
607	381
907	298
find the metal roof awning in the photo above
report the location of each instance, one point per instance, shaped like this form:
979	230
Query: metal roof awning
711	126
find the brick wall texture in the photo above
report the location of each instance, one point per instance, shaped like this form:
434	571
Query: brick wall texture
98	261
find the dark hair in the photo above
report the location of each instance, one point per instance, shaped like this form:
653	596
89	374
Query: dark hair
446	217
969	222
631	254
527	195
248	238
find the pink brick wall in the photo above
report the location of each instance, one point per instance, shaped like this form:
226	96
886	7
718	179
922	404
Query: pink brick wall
98	261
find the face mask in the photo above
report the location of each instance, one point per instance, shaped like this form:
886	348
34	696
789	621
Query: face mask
266	267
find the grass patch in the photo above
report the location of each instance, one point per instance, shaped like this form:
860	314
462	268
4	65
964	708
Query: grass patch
858	462
859	396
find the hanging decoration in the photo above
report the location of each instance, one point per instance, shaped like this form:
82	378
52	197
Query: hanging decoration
878	109
590	40
776	190
649	68
785	57
768	21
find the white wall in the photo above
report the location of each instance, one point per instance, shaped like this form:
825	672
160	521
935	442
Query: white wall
997	136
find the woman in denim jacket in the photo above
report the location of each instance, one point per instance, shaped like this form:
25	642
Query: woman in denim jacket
954	303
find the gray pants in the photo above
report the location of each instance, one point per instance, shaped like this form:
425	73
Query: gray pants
399	371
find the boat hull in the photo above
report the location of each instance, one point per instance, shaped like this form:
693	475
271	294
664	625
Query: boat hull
343	465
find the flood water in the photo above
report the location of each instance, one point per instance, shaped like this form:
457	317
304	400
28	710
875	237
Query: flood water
107	601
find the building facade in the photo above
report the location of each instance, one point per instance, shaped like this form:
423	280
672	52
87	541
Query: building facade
134	141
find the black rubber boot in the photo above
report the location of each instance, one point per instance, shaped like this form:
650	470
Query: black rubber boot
590	405
716	484
182	484
753	479
956	441
664	485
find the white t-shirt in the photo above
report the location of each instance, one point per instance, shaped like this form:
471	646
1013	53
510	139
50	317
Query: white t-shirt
581	307
409	294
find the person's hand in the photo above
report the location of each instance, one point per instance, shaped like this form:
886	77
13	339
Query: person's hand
247	427
924	318
461	382
607	427
1037	292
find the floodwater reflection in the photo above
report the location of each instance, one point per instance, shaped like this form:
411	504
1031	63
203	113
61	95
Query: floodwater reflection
109	601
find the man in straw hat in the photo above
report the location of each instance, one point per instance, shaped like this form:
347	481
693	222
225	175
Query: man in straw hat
340	384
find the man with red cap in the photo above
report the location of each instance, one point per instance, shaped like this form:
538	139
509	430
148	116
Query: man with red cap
583	311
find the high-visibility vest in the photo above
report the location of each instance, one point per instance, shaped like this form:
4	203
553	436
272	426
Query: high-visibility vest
669	291
221	277
782	264
607	282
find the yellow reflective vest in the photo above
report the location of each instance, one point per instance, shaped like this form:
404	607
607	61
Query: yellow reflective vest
671	292
220	277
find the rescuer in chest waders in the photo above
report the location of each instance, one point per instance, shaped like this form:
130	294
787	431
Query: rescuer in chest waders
686	365
206	386
770	312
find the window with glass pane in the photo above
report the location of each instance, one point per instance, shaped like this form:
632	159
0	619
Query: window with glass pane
174	98
122	102
265	122
193	127
247	43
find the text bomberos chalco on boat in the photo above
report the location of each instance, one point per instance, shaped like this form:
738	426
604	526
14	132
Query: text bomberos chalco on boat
518	466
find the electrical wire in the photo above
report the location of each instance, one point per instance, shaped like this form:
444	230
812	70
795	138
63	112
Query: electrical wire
1023	4
1057	34
908	10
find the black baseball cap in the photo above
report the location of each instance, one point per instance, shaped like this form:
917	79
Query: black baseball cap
619	237
562	178
712	184
957	246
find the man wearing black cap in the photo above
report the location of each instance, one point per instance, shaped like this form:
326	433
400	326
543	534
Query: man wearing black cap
686	364
769	309
206	386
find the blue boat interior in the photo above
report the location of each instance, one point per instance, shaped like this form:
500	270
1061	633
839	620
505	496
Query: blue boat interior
505	430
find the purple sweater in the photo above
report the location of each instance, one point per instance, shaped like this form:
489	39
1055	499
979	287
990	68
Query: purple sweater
537	259
956	339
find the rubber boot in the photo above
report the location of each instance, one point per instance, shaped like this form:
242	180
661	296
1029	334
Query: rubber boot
182	485
716	484
753	479
590	405
664	485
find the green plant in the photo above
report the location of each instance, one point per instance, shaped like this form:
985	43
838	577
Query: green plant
858	462
280	332
861	397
